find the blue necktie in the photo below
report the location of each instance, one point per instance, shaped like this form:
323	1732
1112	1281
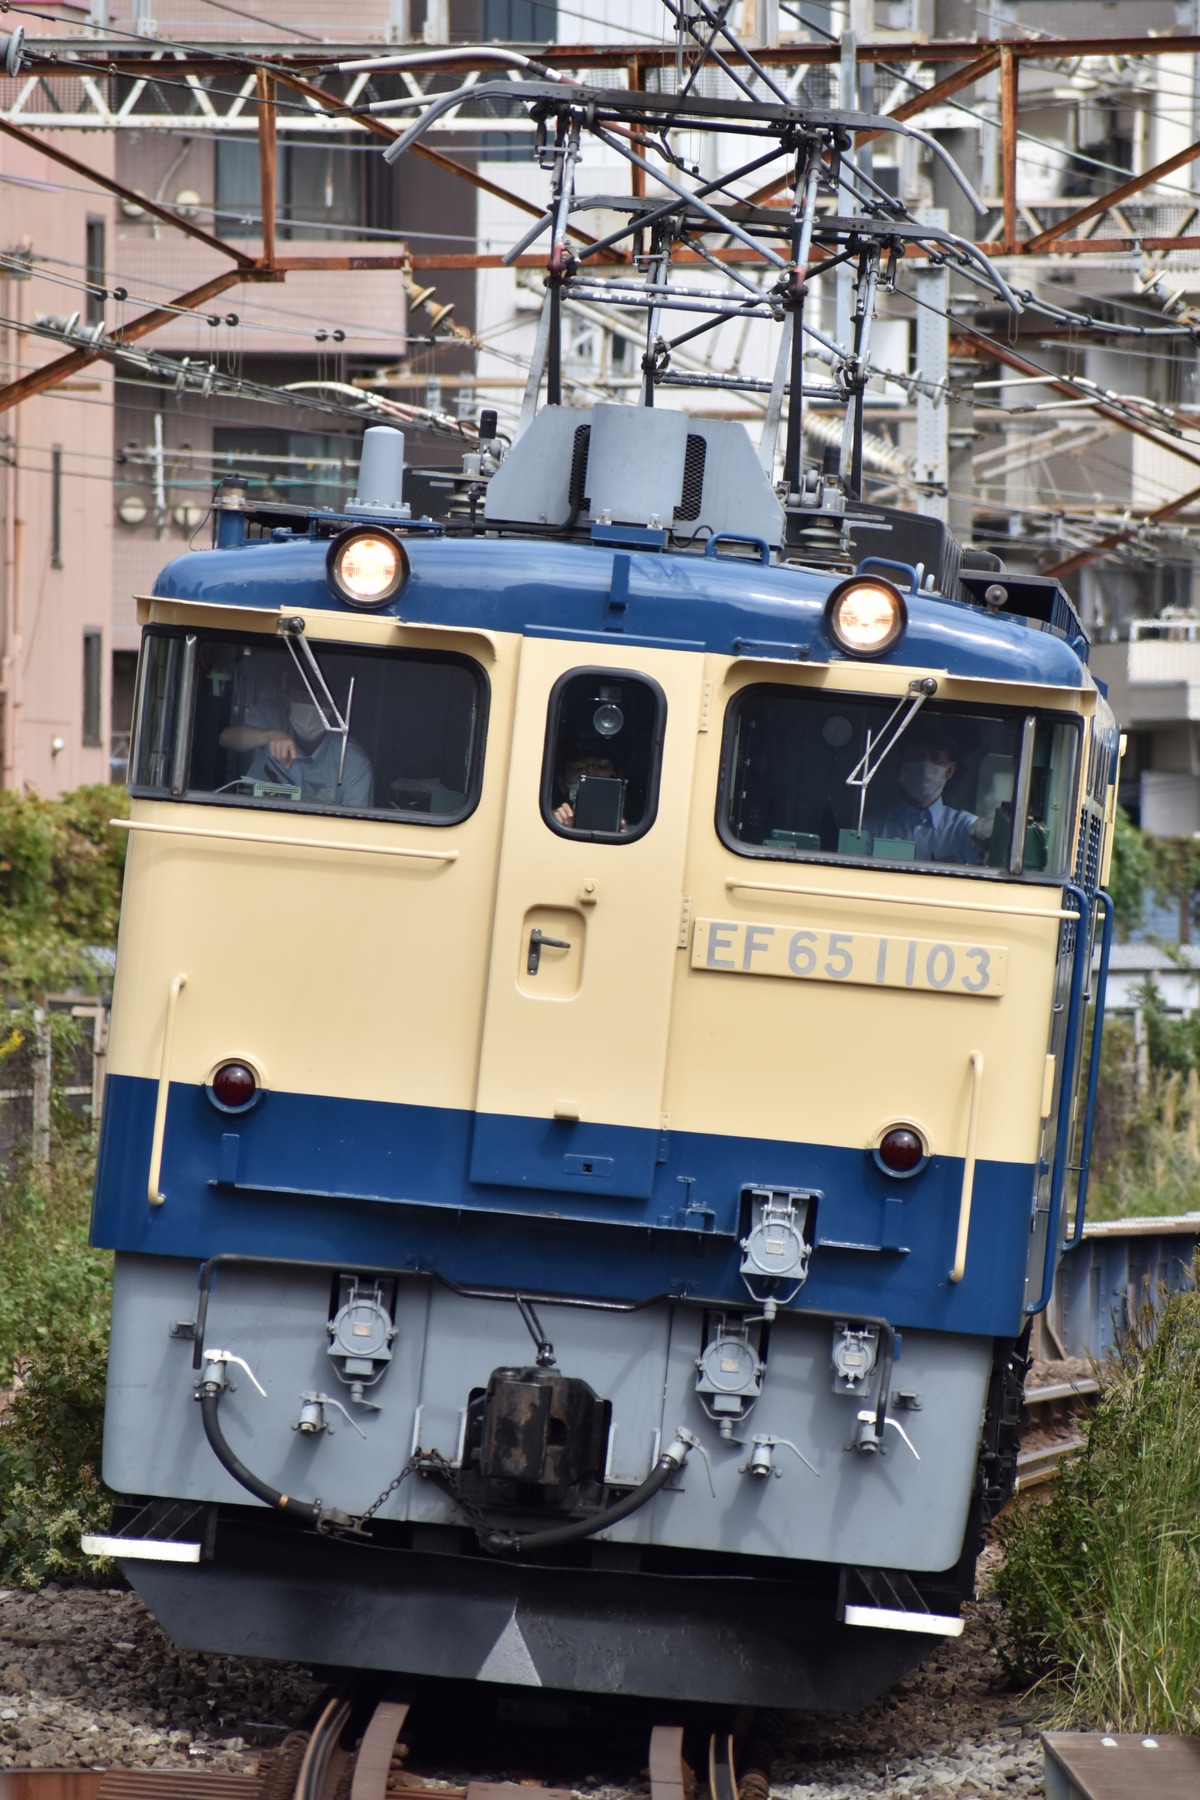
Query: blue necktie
924	824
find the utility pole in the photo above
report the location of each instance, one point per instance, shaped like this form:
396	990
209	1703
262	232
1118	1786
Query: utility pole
957	19
933	368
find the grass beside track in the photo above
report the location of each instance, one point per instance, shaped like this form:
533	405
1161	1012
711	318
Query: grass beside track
1101	1583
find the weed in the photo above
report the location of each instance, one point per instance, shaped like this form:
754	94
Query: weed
1101	1583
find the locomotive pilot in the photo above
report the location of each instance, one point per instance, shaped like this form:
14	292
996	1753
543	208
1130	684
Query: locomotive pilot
291	742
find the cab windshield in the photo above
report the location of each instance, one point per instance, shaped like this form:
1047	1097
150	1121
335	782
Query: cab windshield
258	721
962	787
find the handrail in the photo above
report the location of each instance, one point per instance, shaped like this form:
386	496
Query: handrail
178	983
1093	1081
953	905
975	1063
289	843
886	562
1066	1102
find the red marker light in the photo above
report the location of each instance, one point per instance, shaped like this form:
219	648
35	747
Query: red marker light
900	1150
234	1085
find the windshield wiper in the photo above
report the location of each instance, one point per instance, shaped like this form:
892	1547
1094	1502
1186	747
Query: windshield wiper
310	672
880	747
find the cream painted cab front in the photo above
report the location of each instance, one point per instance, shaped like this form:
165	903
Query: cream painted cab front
344	956
821	1002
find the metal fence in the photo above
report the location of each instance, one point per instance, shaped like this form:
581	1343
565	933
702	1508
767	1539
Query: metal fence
34	1073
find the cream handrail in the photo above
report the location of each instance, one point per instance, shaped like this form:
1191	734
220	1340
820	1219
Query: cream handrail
948	904
178	983
975	1061
289	843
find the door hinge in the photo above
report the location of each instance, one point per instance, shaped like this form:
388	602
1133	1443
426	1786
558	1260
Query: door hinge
706	688
685	920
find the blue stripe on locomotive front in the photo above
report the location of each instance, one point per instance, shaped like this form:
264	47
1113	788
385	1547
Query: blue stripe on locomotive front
718	604
235	1190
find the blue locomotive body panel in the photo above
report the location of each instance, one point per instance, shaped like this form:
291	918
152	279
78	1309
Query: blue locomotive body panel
319	1179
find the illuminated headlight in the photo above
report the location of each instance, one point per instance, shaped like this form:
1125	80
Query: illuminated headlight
865	617
367	566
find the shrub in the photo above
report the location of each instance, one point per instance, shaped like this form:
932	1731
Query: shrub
55	1286
50	1443
60	885
1101	1583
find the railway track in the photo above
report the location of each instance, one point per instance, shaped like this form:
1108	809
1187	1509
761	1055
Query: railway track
341	1757
1049	1435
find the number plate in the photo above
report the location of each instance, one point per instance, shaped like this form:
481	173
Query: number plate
805	953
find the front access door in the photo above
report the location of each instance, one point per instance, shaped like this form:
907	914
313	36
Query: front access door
588	919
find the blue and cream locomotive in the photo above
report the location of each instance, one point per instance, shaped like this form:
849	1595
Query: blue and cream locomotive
595	1073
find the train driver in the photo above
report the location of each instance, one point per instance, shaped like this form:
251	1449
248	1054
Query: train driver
920	816
291	744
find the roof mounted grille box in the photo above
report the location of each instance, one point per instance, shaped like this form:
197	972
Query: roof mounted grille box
904	537
1038	598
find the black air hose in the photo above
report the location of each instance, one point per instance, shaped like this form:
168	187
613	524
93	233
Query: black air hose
210	1400
668	1464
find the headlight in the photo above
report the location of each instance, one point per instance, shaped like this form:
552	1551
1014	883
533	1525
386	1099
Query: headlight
866	617
367	566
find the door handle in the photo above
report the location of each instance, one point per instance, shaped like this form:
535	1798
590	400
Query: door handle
537	941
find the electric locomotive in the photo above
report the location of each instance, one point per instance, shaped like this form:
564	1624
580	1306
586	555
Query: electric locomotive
594	1090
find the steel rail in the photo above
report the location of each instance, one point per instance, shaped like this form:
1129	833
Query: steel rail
1036	1467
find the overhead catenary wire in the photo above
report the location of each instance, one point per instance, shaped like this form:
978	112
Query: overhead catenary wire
1067	317
206	379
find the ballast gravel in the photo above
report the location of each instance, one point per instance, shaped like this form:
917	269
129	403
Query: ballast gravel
87	1680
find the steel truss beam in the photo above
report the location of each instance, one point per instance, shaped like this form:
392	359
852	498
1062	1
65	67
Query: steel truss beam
116	56
251	102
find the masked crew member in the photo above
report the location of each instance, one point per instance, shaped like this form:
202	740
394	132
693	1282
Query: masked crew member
919	814
292	744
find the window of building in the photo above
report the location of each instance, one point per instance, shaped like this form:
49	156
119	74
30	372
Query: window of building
121	700
301	468
962	787
321	188
514	22
520	21
252	721
96	261
56	538
92	649
603	750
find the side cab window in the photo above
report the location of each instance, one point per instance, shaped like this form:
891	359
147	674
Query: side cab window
600	771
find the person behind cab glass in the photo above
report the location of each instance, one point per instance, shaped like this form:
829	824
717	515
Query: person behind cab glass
575	767
919	815
291	744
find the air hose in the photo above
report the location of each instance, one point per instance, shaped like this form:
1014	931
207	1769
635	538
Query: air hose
517	1543
310	1512
209	1395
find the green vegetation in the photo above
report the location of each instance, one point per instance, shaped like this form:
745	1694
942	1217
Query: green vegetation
53	1350
50	1487
60	885
1146	1154
55	1288
1100	1582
